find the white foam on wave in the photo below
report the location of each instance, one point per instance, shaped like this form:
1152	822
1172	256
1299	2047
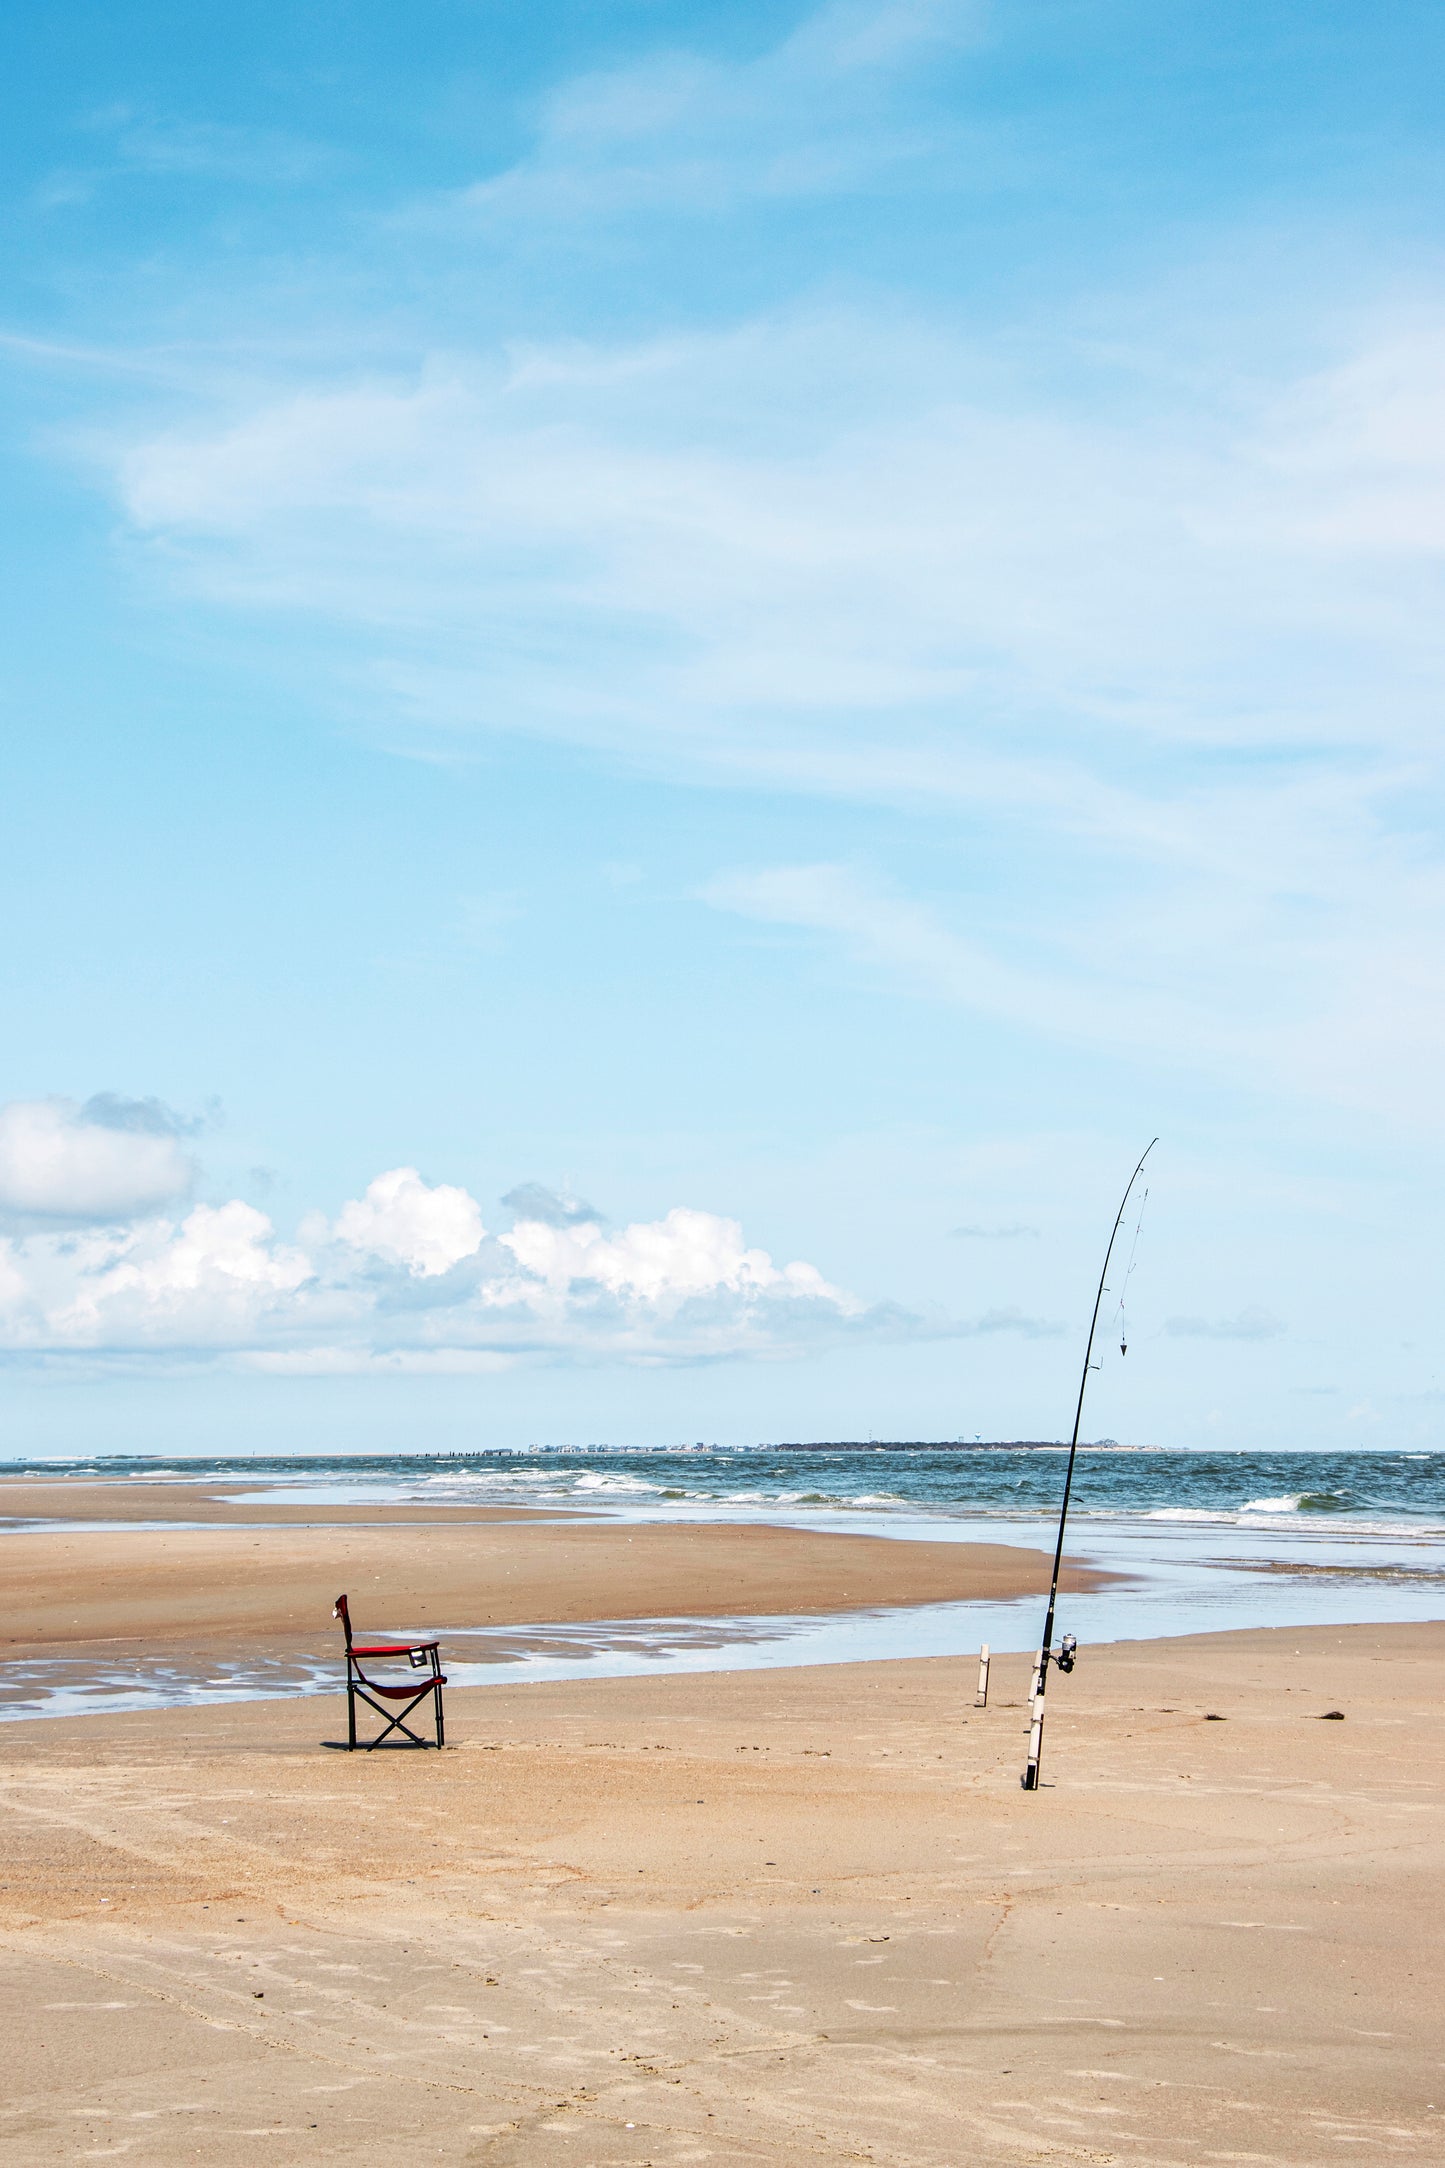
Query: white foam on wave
1289	1504
530	1476
599	1480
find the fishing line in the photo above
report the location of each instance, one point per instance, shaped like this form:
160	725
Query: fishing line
1120	1321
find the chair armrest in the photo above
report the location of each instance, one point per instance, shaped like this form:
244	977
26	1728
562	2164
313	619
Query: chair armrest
394	1648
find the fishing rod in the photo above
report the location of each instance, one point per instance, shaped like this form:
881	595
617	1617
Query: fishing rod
1064	1656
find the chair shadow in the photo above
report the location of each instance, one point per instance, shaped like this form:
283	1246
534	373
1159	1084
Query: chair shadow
383	1746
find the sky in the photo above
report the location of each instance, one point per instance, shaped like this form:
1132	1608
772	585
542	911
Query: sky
671	672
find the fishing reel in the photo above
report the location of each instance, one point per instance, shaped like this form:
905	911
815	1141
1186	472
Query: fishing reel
1065	1653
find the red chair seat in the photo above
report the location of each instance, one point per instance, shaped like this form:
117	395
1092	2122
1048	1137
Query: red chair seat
413	1686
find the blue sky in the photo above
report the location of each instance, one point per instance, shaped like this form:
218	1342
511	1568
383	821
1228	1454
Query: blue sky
671	673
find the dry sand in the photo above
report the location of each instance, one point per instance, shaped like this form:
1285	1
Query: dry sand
786	1917
795	1917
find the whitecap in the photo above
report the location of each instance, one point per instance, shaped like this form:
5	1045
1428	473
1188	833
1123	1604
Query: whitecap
595	1480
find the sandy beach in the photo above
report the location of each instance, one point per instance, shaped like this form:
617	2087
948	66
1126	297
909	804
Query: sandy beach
798	1916
114	1585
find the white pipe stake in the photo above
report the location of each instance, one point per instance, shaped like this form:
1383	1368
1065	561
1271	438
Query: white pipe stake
1036	1740
980	1699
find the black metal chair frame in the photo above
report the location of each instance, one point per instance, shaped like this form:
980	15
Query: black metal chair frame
421	1655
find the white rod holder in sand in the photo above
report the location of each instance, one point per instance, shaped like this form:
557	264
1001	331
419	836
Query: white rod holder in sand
1036	1744
980	1699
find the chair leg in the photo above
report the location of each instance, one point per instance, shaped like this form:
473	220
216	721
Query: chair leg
396	1723
351	1716
441	1735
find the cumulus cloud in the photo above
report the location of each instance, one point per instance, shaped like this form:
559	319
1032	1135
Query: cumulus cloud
665	1263
149	1117
531	1201
427	1228
13	1286
215	1279
107	1160
405	1280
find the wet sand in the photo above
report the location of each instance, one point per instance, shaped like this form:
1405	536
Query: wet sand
795	1917
105	1588
234	1505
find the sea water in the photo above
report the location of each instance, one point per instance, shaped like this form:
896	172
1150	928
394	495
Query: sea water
1376	1489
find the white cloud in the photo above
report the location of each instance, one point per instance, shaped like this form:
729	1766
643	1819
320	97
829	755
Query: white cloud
534	1201
911	942
1253	1322
107	1160
1178	648
221	1283
1015	1320
816	526
1361	447
1168	656
214	150
679	133
1145	578
665	1263
427	1228
215	1279
13	1285
971	1232
343	1361
1354	1015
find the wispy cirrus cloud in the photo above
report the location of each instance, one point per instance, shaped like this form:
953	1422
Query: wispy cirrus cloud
1013	1233
678	133
1253	1322
168	144
1289	1017
1147	591
974	554
1190	660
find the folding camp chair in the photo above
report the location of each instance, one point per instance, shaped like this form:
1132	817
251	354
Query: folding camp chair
421	1655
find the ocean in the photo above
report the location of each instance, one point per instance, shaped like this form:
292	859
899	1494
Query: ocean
1359	1492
